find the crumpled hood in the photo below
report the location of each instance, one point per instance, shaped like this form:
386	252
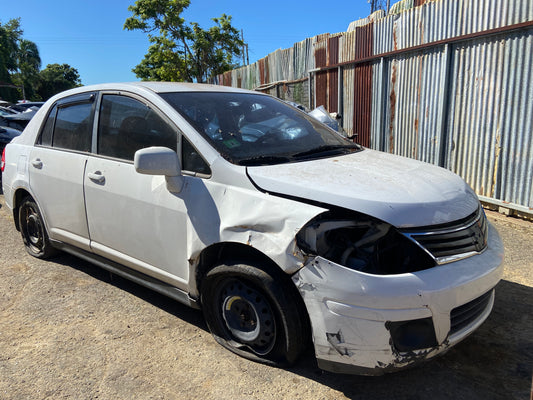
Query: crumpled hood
397	190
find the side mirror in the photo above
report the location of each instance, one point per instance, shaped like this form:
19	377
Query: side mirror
160	161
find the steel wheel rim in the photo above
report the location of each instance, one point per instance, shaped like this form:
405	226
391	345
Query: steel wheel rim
248	316
33	229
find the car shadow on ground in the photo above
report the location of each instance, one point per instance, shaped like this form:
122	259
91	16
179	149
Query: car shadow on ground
165	303
495	362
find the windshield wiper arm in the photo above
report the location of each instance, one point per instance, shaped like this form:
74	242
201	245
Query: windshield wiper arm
326	149
265	160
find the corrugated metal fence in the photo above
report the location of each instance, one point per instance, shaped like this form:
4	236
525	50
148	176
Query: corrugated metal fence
448	82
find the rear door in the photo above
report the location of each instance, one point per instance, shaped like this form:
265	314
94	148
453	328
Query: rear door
57	166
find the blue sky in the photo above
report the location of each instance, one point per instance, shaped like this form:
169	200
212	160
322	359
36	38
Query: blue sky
88	34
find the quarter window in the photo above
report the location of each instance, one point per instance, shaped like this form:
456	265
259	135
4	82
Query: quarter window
127	125
191	159
45	139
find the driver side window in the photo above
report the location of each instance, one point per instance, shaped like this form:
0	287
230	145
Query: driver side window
127	125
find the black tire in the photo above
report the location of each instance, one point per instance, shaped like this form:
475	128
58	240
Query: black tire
33	230
254	314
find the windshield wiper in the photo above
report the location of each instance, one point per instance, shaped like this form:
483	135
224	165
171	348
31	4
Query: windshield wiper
327	149
265	160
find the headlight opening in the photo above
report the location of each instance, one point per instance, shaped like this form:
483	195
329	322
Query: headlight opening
362	243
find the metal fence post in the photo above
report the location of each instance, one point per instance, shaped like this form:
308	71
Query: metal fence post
445	145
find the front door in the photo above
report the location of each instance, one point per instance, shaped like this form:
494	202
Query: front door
133	219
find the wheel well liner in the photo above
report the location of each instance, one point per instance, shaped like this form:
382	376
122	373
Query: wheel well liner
232	252
20	195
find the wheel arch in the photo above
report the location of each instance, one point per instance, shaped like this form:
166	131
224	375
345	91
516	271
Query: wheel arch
238	253
231	252
19	195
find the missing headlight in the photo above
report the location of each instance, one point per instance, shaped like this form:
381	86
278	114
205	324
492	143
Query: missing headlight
362	243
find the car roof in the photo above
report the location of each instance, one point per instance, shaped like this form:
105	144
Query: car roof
158	87
166	87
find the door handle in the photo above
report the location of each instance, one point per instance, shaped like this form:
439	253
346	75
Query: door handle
37	163
96	177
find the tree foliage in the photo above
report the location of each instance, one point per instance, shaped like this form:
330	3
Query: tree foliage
20	64
181	51
56	78
29	63
10	35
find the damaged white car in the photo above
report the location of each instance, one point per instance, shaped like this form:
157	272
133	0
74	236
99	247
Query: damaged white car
284	233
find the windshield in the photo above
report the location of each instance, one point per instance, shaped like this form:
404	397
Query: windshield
252	129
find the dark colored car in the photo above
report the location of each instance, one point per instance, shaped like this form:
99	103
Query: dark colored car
19	120
7	111
21	107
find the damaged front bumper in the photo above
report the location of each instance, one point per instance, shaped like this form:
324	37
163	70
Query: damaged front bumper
372	324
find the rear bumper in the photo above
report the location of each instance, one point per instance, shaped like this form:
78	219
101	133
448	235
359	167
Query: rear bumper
353	314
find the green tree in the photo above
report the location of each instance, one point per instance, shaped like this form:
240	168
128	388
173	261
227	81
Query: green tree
28	66
56	78
181	51
10	34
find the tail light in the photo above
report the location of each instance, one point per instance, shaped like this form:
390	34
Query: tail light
3	163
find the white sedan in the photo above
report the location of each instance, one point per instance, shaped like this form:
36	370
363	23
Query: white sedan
283	232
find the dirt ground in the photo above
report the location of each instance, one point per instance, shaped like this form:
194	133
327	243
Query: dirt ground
69	330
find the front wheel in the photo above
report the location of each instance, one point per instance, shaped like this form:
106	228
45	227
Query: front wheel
33	230
253	314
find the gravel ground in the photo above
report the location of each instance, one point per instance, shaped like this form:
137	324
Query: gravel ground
69	330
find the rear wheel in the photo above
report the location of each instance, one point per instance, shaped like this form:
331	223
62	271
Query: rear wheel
254	314
33	230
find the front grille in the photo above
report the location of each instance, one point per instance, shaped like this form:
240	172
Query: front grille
456	240
468	313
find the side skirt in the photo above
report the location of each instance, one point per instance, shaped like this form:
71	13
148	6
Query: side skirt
130	274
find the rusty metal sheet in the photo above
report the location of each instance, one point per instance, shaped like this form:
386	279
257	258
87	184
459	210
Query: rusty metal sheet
491	126
263	71
333	75
363	103
321	78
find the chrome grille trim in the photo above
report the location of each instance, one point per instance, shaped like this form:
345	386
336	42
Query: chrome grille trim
454	241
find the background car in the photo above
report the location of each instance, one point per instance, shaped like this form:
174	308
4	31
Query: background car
7	111
19	120
24	106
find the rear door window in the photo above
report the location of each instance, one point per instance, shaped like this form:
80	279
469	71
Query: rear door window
73	127
69	124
